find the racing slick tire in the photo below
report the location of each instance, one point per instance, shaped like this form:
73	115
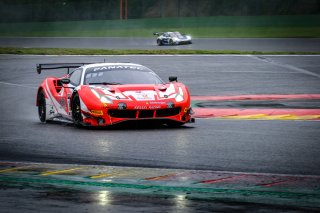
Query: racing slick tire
76	110
171	42
42	106
159	42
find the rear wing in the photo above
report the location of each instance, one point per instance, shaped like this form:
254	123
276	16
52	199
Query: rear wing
54	66
158	33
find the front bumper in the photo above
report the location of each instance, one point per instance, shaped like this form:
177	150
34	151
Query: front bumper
113	116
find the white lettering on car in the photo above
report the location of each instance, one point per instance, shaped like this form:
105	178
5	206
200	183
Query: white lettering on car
147	107
117	67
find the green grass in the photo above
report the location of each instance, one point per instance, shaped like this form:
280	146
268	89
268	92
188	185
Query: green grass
69	51
214	27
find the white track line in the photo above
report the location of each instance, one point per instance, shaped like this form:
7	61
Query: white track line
17	85
288	66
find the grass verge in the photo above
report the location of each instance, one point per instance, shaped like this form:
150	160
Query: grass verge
212	27
71	51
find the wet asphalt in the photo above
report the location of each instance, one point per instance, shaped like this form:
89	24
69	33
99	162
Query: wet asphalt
279	147
243	44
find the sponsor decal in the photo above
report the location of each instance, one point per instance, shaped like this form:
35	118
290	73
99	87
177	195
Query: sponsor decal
62	102
51	111
145	95
115	67
147	107
157	102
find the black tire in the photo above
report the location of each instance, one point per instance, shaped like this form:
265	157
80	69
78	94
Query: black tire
159	42
190	42
42	106
171	42
76	110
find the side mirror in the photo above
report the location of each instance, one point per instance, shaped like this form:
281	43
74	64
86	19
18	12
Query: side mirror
173	78
65	81
39	69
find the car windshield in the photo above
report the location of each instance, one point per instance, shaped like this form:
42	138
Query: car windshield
178	34
121	75
172	35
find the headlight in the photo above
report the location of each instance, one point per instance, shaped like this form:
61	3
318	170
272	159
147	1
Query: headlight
179	97
105	100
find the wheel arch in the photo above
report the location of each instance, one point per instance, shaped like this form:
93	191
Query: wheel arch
72	96
39	90
159	42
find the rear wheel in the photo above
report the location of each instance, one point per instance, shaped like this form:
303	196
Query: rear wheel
159	42
171	42
42	106
76	110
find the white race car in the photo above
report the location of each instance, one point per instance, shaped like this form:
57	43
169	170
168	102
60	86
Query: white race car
172	38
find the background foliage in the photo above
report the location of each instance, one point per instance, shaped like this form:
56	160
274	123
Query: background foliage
75	10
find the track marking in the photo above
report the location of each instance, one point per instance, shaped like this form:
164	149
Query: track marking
270	117
222	179
60	171
13	169
161	177
295	189
267	114
308	117
17	85
287	117
207	191
276	183
258	113
256	97
102	175
300	70
256	116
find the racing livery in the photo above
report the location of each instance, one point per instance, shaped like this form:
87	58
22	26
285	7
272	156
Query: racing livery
103	94
172	38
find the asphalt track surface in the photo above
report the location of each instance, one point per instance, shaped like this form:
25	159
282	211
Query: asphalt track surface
243	44
245	146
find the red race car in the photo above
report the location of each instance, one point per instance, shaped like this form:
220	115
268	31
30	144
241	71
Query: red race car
103	94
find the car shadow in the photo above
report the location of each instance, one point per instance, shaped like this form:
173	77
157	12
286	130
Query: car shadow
128	125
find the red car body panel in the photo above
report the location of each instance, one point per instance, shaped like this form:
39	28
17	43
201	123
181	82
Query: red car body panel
103	105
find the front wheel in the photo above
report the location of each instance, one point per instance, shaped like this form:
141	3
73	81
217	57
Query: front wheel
76	110
42	106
